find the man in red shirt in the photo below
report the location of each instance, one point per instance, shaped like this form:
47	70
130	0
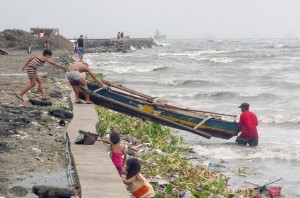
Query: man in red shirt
247	125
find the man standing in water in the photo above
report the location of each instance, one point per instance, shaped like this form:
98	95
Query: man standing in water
75	78
247	125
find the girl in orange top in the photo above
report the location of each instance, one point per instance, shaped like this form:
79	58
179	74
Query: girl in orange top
137	184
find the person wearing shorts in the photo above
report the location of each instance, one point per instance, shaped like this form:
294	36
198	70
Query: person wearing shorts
80	47
75	78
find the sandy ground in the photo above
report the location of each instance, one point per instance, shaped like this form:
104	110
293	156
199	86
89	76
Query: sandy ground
32	145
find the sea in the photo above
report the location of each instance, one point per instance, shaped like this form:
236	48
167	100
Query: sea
218	75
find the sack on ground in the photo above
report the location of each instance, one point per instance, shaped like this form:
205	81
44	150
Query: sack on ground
88	137
79	139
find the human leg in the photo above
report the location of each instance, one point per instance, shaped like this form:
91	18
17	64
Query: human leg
253	142
241	141
27	88
40	84
84	84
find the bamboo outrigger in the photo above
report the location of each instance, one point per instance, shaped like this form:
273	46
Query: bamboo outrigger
133	103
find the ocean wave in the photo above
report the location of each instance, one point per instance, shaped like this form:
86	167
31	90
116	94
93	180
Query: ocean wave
215	94
222	60
132	48
159	68
132	69
198	53
232	152
176	82
280	119
277	46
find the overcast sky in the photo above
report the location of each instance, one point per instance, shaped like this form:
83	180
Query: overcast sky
140	18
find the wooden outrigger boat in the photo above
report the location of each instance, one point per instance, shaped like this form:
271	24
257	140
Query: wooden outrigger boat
130	102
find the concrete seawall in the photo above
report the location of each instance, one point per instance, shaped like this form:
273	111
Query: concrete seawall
113	45
96	174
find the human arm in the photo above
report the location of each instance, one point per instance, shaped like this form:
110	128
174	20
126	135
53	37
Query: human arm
241	123
106	141
129	181
125	155
96	78
56	64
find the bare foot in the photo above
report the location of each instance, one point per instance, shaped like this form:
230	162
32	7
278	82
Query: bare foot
89	102
78	102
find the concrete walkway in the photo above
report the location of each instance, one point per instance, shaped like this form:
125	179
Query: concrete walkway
96	174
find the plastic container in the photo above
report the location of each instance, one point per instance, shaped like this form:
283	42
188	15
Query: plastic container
274	191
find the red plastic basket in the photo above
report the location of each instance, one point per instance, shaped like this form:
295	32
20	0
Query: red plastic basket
274	191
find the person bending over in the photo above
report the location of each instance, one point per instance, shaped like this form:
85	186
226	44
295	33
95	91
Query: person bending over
31	67
75	78
247	126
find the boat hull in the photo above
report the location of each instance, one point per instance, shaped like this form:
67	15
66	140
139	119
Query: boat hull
166	115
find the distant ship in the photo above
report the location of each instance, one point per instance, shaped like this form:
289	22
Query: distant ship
158	35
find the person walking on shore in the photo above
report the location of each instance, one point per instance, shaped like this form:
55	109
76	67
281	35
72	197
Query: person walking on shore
75	78
247	125
117	151
29	48
137	183
80	47
46	45
118	36
31	67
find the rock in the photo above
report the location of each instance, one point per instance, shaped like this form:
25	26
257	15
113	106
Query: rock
188	194
40	102
62	123
3	52
18	191
56	94
159	182
60	138
36	150
61	113
51	191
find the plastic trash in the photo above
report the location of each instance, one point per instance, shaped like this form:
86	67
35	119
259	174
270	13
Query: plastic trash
274	191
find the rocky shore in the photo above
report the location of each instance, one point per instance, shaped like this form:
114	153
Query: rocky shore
124	46
32	143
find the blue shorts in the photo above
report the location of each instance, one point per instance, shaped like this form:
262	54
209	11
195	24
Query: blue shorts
80	51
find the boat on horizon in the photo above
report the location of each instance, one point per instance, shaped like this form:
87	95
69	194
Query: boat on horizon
161	111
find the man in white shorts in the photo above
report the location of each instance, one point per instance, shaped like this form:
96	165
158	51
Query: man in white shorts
75	78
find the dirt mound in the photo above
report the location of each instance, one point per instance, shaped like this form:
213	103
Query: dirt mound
19	39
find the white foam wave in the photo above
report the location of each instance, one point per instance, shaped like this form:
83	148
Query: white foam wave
236	152
222	60
131	69
197	53
172	82
279	119
162	44
132	48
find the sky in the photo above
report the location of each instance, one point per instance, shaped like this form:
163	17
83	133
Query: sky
181	19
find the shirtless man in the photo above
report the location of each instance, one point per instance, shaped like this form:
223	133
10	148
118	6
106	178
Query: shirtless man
75	78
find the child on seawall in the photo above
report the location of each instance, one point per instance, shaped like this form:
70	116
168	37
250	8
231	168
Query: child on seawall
117	151
137	184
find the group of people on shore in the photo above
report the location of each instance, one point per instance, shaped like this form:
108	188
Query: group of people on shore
136	182
120	36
